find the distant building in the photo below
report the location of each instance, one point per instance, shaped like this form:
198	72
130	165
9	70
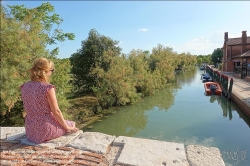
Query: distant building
235	52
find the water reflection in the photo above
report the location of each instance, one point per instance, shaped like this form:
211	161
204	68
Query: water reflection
129	120
228	107
186	77
182	113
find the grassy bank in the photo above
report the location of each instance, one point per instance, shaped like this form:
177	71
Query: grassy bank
84	110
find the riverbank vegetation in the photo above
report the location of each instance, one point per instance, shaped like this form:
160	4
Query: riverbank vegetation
94	79
214	59
204	59
101	71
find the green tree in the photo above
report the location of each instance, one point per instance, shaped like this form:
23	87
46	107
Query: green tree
49	21
116	85
20	47
26	34
61	79
165	65
142	75
89	56
199	61
203	59
217	55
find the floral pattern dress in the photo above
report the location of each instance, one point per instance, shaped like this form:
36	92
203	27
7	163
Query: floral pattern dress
40	123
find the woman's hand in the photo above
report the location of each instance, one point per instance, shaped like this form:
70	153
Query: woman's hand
71	129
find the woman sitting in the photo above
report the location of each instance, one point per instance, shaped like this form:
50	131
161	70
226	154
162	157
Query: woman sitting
44	120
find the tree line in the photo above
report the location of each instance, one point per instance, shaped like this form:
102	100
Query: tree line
98	69
212	59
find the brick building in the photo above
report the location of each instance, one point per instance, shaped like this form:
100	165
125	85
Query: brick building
236	51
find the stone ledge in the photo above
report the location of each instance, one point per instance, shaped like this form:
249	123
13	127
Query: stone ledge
200	155
146	152
125	150
11	133
58	142
93	141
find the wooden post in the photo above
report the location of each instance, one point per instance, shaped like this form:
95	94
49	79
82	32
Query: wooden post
230	89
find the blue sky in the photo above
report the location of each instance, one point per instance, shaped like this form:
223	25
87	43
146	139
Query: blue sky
197	27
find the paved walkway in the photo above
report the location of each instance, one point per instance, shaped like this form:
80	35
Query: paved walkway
242	86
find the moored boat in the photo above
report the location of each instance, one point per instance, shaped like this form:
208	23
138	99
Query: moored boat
206	78
212	88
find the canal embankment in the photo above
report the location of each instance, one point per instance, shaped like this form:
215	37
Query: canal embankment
240	91
94	148
241	95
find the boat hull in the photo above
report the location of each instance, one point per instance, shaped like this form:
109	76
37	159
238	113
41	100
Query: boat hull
208	90
206	78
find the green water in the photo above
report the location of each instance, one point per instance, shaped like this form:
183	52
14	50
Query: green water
182	113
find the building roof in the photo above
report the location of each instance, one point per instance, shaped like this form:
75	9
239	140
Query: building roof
236	41
242	55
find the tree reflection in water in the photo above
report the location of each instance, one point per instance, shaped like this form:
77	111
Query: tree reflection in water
132	119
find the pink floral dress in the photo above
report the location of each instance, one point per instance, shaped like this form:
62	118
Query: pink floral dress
40	123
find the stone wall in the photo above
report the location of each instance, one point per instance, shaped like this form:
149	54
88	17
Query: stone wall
241	104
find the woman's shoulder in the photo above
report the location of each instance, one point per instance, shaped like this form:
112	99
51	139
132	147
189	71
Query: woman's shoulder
25	84
47	86
37	83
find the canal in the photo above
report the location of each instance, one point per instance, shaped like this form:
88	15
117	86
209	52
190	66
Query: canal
182	113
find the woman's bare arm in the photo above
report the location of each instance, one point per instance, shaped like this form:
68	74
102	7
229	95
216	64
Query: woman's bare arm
51	95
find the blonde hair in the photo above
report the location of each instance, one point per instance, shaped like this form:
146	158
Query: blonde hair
39	69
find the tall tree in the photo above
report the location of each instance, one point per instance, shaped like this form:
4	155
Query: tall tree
217	56
165	64
87	57
142	75
25	33
49	21
116	85
20	47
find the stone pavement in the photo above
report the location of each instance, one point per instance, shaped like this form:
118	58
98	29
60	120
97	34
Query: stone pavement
98	149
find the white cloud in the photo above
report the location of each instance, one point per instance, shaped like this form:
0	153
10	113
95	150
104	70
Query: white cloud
202	45
197	44
143	29
194	46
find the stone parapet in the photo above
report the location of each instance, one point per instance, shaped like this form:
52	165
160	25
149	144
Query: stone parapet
94	148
